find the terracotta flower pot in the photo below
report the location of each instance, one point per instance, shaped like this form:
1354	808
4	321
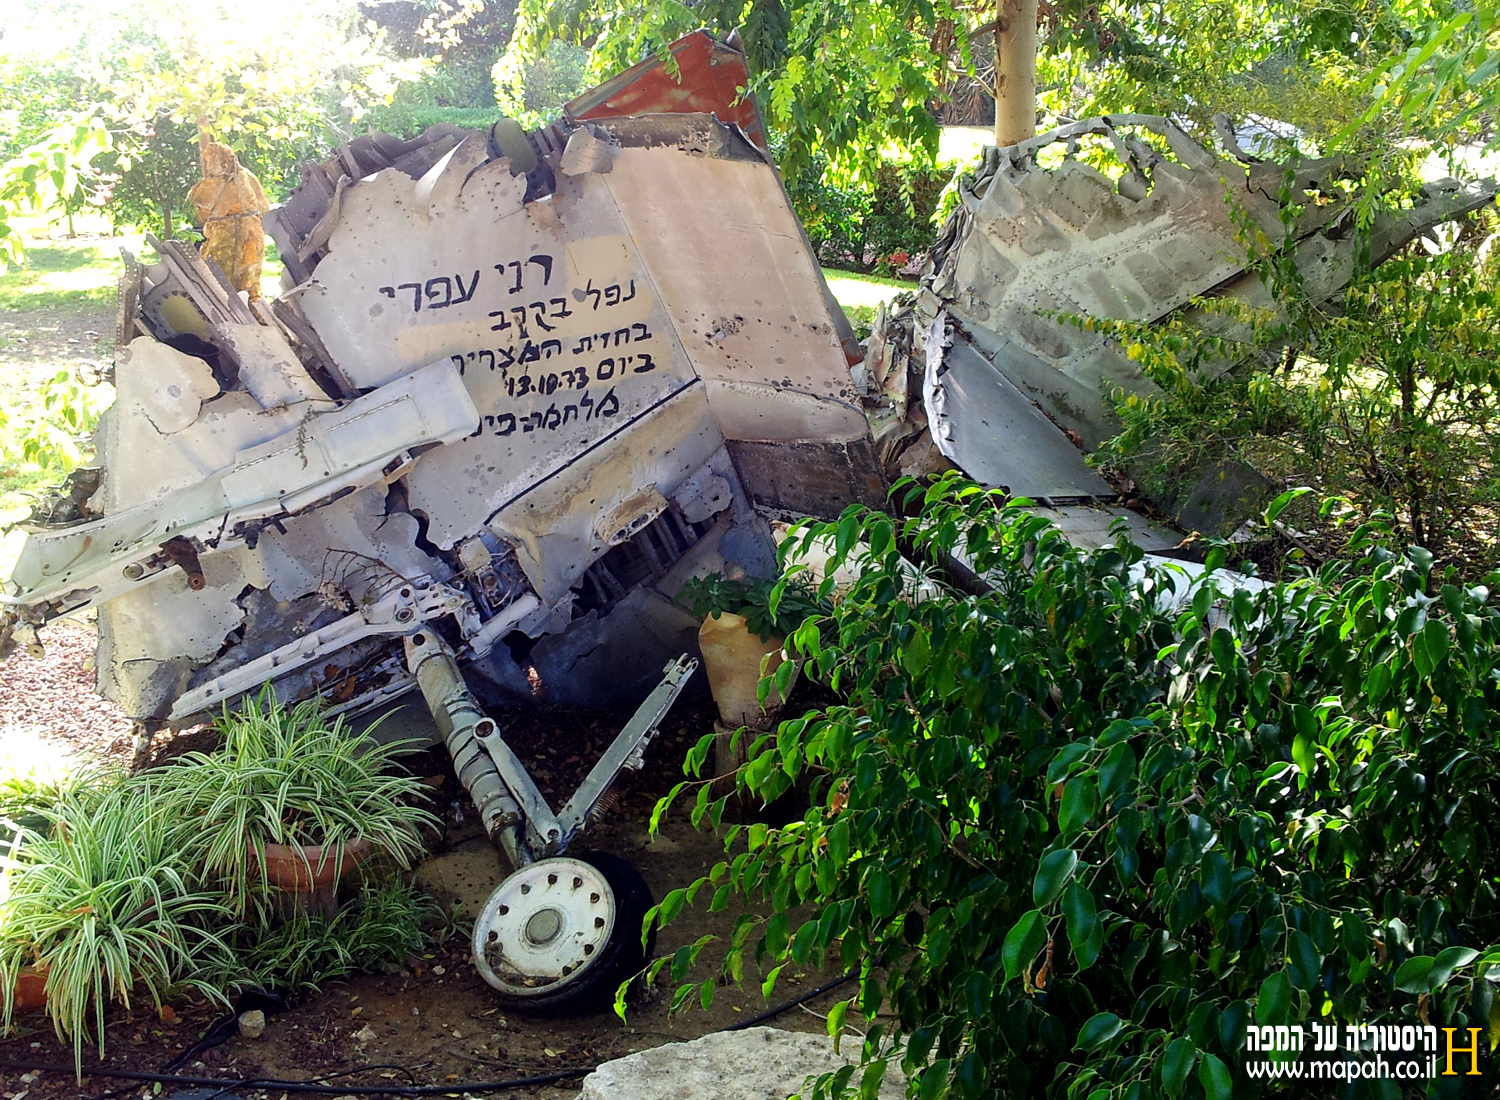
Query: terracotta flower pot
308	876
31	991
732	657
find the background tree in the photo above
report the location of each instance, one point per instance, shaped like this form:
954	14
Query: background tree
279	83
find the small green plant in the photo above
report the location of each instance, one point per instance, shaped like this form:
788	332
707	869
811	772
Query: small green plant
750	598
384	925
106	906
26	792
287	775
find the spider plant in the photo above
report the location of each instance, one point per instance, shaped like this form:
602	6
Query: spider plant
287	775
385	925
104	904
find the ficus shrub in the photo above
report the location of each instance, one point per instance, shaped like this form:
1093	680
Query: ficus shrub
1077	826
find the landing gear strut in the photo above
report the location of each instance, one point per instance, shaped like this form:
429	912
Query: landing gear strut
561	932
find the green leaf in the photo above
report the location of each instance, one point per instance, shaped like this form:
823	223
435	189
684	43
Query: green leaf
1274	1003
836	1016
916	653
1116	770
1218	880
838	842
671	905
1303	960
1079	799
1027	937
768	986
1221	645
1279	505
880	894
848	532
1412	977
1052	875
1447	962
1430	646
1085	932
1176	1063
1100	1029
1306	759
1214	1075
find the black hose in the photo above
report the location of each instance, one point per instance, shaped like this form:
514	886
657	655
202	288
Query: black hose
224	1085
310	1088
779	1009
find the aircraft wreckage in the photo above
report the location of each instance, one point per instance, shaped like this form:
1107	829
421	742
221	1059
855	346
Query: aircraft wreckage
519	386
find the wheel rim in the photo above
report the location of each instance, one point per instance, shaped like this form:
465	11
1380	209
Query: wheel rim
544	927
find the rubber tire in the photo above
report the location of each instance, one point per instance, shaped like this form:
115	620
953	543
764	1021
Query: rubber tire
622	955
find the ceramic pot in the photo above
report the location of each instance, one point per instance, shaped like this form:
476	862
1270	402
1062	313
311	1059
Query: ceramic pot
732	657
31	990
308	876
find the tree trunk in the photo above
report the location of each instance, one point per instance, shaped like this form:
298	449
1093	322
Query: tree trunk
1015	72
1415	489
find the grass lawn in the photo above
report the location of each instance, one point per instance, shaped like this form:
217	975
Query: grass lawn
860	295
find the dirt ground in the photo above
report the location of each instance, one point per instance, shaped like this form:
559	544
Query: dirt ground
435	1022
36	344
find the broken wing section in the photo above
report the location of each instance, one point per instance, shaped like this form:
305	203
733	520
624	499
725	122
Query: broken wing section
987	338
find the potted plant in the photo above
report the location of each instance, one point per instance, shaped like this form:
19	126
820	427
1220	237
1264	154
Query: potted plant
743	642
291	802
103	906
26	792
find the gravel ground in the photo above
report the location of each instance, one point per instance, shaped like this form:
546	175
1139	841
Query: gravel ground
48	706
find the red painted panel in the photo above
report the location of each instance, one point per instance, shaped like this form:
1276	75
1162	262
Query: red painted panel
711	75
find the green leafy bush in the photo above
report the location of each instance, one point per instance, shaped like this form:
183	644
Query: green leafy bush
1078	830
873	226
1388	398
410	120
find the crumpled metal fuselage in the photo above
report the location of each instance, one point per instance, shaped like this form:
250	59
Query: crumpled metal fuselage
996	368
518	387
515	393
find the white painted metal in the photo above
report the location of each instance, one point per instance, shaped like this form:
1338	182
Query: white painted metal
543	927
329	453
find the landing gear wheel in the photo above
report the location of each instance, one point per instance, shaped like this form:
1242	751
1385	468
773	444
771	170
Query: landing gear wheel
559	935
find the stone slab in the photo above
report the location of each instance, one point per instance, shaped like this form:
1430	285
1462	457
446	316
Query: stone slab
759	1063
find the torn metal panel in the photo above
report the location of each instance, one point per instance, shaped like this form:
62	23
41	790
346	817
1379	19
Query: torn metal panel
995	434
711	78
1097	525
1031	245
1030	241
328	455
